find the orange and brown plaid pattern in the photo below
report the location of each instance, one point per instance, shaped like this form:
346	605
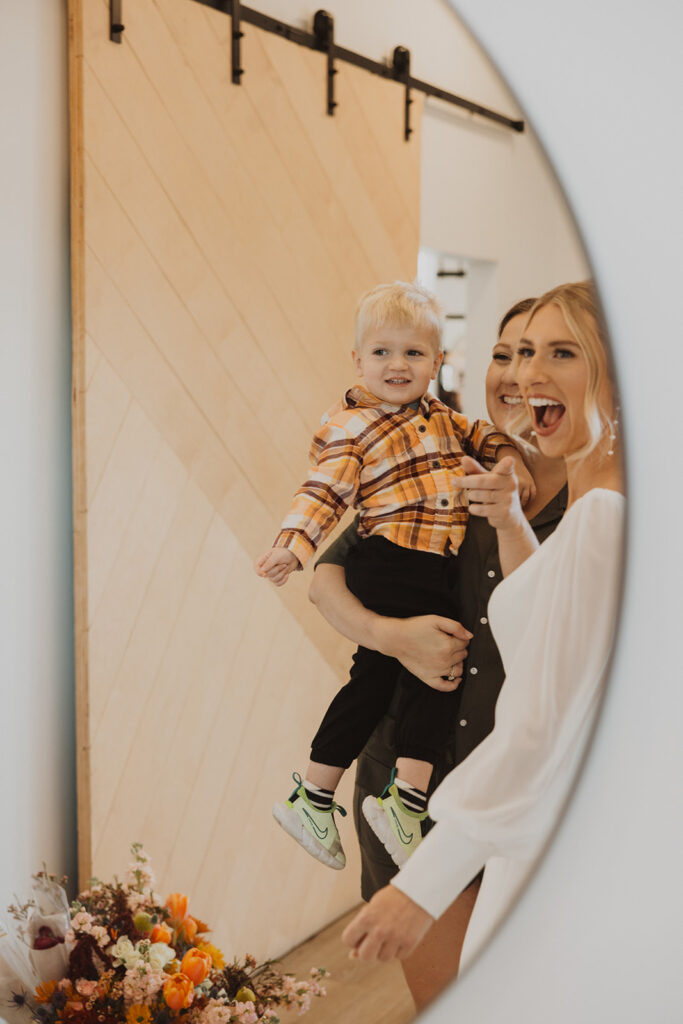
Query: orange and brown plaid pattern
397	465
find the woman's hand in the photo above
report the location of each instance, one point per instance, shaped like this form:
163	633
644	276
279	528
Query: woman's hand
495	494
390	925
431	647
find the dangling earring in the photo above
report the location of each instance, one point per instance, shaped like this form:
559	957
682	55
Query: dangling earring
612	431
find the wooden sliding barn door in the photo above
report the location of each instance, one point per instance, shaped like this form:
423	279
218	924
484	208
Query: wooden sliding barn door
221	238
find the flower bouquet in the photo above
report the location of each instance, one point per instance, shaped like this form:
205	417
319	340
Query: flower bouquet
118	956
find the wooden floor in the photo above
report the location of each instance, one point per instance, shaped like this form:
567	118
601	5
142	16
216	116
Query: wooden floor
357	993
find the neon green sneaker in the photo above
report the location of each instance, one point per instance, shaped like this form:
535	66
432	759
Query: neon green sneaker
313	829
398	829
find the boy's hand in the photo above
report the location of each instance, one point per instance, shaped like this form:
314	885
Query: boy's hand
525	481
276	565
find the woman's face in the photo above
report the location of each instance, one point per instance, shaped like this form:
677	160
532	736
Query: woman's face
503	397
552	375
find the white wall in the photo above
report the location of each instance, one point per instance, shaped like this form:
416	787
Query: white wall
37	774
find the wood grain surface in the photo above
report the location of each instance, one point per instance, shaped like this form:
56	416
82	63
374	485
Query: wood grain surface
221	238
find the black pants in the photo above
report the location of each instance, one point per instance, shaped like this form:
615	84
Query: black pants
399	582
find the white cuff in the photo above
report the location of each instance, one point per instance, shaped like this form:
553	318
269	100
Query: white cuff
443	865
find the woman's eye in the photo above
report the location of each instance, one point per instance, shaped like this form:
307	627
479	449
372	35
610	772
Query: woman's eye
564	353
525	352
501	357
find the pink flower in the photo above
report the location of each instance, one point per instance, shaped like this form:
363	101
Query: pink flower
85	987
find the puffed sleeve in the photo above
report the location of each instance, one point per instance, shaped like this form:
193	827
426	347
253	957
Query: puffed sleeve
504	799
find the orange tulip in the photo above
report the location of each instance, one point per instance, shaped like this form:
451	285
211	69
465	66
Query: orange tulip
196	965
188	929
178	992
177	904
160	933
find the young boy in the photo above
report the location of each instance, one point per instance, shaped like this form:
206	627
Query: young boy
393	451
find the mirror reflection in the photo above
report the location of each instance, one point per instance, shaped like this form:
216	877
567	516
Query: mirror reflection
224	237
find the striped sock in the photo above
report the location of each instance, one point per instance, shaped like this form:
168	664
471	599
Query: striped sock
412	797
320	798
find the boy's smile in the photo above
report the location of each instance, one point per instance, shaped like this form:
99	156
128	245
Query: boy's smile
397	363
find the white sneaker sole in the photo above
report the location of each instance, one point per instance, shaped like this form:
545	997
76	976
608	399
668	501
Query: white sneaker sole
290	821
379	823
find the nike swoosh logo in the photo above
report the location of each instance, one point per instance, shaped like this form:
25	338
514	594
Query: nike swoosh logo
401	831
316	828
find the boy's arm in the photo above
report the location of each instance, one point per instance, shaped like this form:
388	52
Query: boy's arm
479	439
331	487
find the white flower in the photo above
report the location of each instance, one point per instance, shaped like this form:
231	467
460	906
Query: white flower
159	955
125	953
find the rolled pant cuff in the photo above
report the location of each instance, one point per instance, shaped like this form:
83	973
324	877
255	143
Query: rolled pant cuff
418	754
332	761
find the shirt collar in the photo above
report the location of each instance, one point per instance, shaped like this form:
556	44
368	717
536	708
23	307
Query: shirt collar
360	397
555	509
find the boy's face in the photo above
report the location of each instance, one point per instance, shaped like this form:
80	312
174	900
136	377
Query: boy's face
397	363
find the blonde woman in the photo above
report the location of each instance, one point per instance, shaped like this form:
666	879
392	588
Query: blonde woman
553	618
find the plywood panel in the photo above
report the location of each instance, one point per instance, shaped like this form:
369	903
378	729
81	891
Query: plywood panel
221	239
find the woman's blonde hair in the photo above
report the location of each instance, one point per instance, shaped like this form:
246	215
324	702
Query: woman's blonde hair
401	304
578	303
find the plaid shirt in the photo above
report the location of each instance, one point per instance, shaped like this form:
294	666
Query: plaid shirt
397	466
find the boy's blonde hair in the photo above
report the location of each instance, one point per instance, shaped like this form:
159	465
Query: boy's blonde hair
400	304
579	305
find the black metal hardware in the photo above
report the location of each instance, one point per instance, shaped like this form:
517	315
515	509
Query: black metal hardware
236	49
323	31
115	17
334	53
401	66
451	273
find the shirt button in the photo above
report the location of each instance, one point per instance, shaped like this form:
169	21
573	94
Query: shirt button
491	573
444	503
463	721
483	620
422	428
474	670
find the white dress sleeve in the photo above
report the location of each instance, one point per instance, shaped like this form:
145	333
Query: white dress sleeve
553	620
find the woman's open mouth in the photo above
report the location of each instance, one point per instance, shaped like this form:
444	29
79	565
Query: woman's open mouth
511	400
547	414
